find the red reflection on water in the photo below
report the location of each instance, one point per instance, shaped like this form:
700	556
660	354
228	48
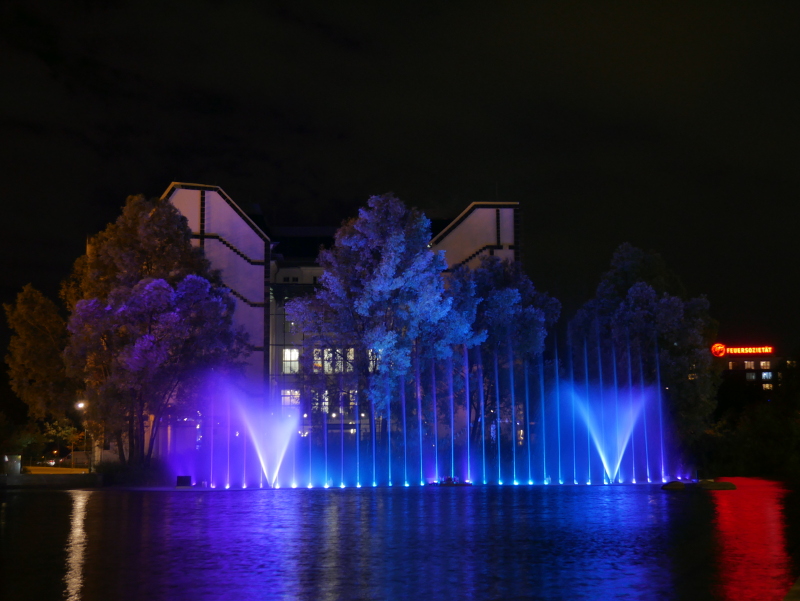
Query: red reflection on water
753	561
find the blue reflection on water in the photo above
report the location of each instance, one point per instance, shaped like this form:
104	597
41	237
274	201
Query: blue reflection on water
604	542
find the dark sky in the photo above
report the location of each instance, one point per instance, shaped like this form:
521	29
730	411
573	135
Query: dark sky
671	127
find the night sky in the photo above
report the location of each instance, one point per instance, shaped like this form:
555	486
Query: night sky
673	128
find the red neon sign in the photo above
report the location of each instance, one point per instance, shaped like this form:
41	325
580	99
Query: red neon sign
720	350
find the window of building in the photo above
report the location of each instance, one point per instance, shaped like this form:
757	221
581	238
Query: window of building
750	376
766	375
295	280
767	386
749	364
731	364
766	365
291	360
289	327
333	360
692	376
286	279
374	358
290	398
315	280
791	364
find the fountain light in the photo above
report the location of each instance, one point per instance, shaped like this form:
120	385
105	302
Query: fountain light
530	481
310	485
341	485
227	486
294	484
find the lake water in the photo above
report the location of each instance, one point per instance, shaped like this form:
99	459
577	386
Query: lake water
541	542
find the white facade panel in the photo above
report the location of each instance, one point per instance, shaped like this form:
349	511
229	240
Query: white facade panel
222	220
238	274
188	203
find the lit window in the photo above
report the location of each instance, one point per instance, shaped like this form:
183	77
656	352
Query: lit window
290	398
374	358
767	386
766	365
353	398
291	360
692	376
333	360
750	376
791	364
749	364
731	364
766	375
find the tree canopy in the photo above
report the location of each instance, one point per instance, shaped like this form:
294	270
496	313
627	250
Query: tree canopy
146	349
382	291
641	305
148	315
35	363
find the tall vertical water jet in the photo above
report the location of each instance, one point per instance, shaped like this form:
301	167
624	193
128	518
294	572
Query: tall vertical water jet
419	413
558	409
630	399
341	430
389	431
374	441
435	419
606	475
405	430
481	401
527	419
644	414
660	414
452	416
616	405
513	412
588	432
325	443
497	417
228	462
545	477
468	409
358	441
572	406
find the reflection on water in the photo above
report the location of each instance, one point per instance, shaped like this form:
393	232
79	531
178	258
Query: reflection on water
602	542
753	563
76	545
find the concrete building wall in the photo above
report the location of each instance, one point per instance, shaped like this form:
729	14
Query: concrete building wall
487	228
239	250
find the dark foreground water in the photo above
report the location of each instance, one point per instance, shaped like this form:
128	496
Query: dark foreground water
555	542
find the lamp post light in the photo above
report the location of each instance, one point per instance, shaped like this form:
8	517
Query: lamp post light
81	406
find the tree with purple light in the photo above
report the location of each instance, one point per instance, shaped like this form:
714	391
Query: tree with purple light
382	291
148	319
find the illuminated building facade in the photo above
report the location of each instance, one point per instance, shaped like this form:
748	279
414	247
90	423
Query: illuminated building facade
264	267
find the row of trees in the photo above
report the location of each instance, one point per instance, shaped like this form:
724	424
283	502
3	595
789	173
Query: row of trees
385	294
146	317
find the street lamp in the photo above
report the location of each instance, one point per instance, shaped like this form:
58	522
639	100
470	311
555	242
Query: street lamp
81	406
